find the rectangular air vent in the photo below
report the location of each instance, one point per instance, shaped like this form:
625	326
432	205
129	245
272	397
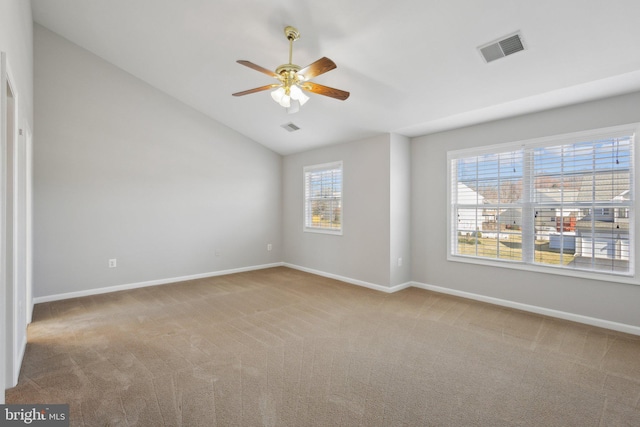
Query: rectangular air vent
501	48
290	127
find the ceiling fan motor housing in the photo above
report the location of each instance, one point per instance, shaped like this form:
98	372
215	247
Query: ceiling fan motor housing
288	75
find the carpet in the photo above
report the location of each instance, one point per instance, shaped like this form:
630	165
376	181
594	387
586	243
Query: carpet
280	347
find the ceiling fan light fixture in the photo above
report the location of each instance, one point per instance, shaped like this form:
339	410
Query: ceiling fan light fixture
285	101
294	107
298	95
277	94
280	96
291	98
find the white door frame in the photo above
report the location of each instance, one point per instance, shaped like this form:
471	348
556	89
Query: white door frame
28	140
14	222
3	282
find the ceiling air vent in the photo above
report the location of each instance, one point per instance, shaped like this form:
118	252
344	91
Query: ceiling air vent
290	127
501	48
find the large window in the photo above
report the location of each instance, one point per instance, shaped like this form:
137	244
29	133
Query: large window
565	202
323	198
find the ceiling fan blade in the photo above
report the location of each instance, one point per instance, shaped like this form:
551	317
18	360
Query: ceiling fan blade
325	90
257	89
321	66
257	68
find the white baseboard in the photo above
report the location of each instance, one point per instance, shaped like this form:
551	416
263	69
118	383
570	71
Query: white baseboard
607	324
387	289
601	323
12	381
128	286
18	362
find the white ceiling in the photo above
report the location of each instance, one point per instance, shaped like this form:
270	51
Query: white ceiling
412	66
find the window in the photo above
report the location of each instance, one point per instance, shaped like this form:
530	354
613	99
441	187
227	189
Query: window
323	198
565	202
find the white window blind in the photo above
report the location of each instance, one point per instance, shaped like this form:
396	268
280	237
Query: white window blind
323	198
487	197
565	202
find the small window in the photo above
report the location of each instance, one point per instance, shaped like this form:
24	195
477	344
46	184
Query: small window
563	202
323	198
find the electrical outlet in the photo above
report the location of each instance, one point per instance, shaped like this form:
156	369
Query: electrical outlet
399	262
269	246
113	263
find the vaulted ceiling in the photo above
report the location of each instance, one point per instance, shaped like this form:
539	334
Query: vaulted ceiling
412	66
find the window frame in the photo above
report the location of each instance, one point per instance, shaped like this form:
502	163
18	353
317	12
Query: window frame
629	277
306	227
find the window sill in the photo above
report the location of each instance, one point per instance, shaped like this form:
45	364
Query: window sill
322	231
626	278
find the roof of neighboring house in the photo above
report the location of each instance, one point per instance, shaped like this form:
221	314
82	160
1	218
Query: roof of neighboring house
468	195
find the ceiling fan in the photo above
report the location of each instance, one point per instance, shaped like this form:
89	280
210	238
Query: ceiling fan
294	80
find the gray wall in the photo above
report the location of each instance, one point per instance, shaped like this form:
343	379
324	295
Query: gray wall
362	252
599	299
376	213
124	171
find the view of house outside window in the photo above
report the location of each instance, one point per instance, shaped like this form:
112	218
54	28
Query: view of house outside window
323	198
565	203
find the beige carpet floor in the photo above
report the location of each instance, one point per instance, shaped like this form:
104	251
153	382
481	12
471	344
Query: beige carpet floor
280	347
